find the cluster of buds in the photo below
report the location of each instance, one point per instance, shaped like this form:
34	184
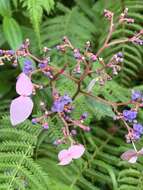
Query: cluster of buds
6	55
40	121
108	14
115	62
103	77
11	55
81	57
124	17
137	39
65	45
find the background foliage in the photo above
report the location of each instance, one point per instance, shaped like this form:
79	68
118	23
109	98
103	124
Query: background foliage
26	153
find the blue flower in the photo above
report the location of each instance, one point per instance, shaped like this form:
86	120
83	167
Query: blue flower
42	65
66	99
59	104
28	67
136	95
120	54
135	136
129	115
138	128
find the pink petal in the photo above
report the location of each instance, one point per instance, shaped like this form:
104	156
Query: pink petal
65	161
129	155
64	157
62	154
76	151
20	109
24	85
133	159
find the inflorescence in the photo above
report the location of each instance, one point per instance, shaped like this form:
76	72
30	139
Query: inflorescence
63	104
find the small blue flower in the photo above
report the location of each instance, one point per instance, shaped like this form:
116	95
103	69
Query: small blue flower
28	67
59	104
138	128
136	136
129	115
66	99
136	95
120	54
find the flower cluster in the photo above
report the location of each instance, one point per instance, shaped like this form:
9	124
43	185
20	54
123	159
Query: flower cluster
115	62
132	155
61	103
73	152
137	39
86	64
108	14
124	17
129	116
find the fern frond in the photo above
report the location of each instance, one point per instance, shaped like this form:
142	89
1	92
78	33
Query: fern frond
35	10
17	168
68	25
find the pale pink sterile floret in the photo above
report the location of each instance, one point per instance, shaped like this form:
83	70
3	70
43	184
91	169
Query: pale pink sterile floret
131	155
24	85
21	107
67	155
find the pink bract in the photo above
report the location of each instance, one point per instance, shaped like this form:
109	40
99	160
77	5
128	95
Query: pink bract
24	85
64	157
76	151
20	109
130	156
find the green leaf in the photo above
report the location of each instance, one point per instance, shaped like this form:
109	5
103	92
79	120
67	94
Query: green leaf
12	32
99	107
47	5
5	8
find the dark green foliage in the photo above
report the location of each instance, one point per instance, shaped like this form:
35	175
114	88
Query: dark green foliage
101	164
17	168
27	153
